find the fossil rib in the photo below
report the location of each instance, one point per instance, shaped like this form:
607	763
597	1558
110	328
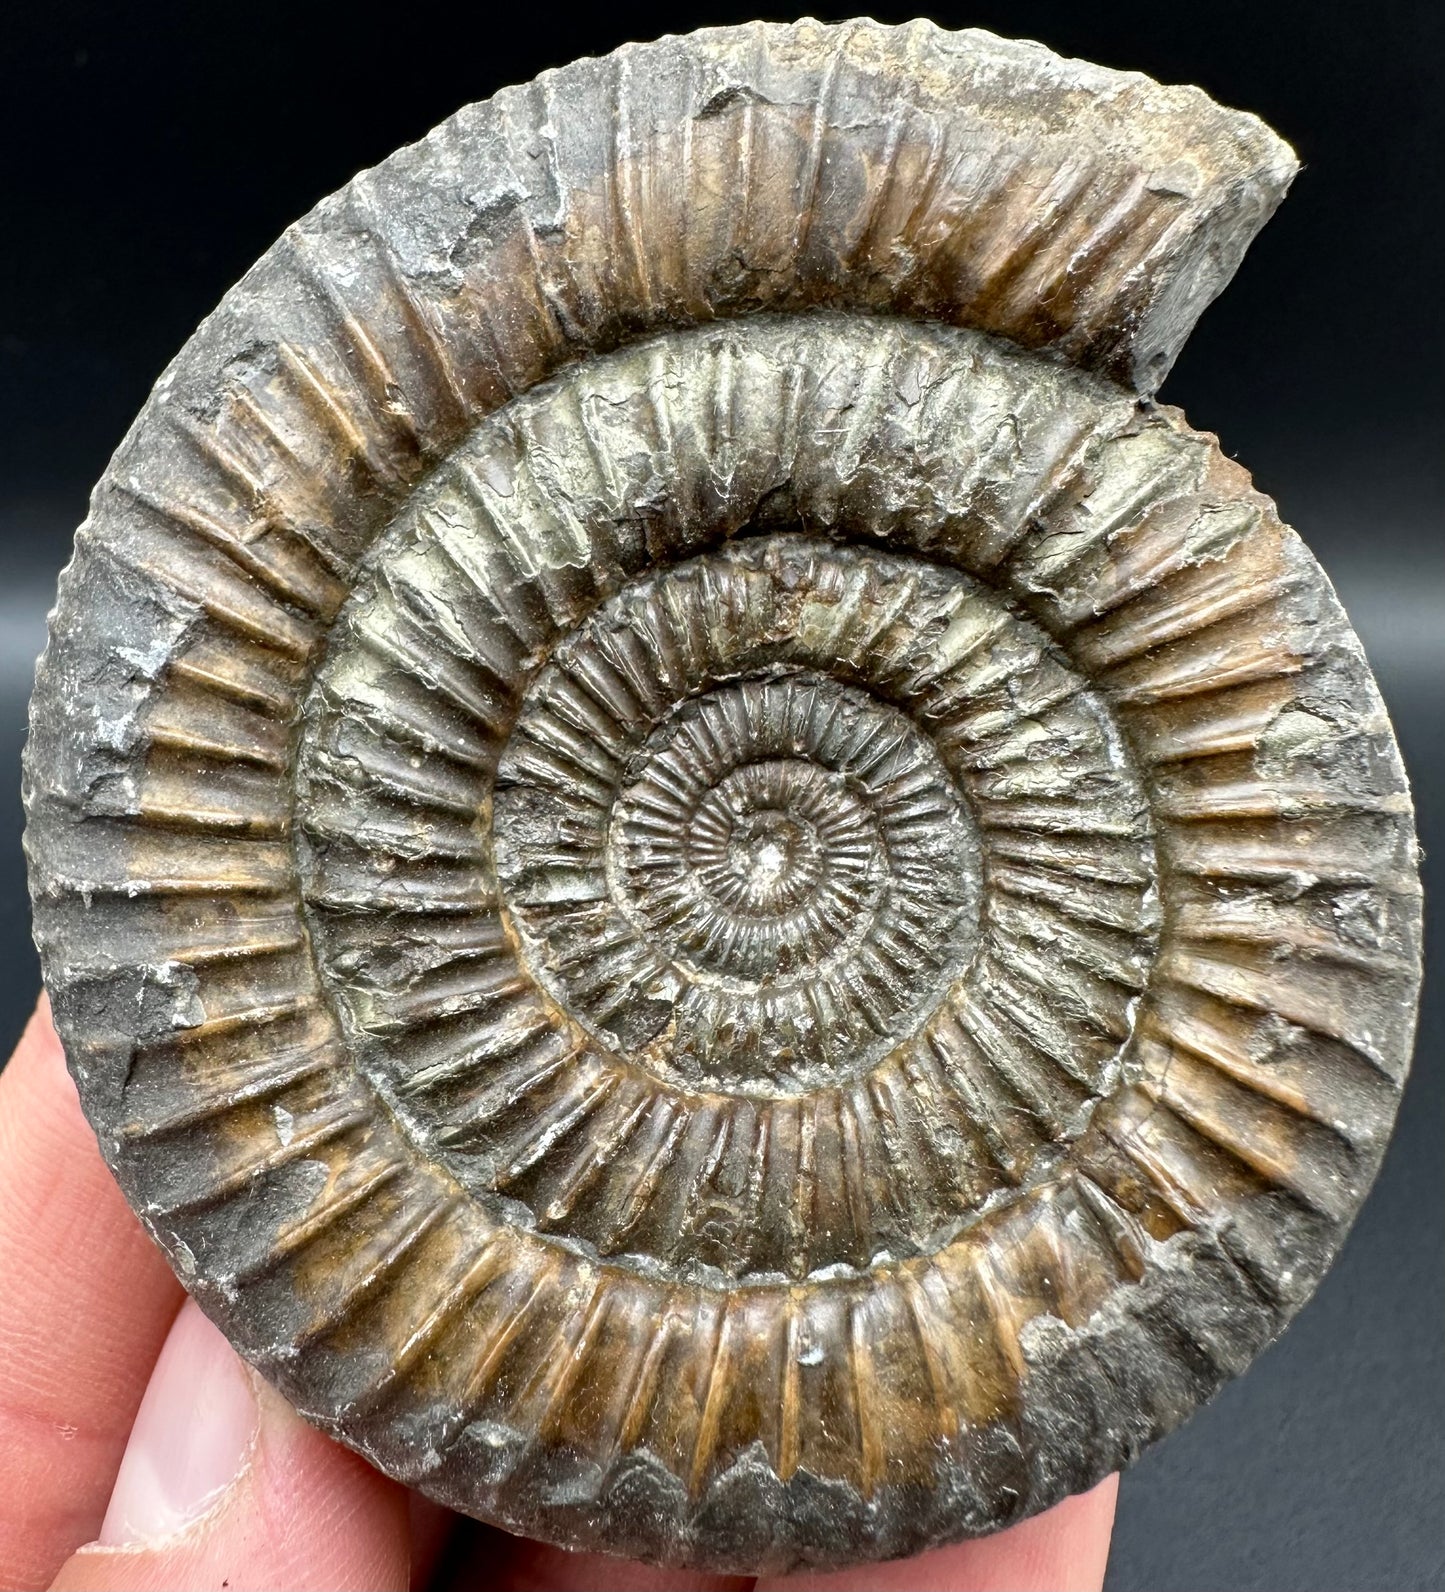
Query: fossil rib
720	897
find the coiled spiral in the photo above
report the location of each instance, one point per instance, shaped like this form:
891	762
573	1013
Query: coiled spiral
720	896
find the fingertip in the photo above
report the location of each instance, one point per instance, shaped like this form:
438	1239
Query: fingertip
223	1483
40	1109
431	1529
85	1307
39	1058
193	1433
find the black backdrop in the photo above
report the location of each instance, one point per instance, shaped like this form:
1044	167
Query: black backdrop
149	151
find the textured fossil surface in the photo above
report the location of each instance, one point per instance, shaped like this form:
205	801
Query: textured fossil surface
722	898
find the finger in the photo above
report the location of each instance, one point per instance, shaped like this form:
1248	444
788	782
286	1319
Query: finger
1064	1549
432	1529
497	1560
84	1308
223	1484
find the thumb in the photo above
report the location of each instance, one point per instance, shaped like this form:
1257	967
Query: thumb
223	1485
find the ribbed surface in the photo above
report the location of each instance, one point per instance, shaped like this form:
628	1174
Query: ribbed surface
641	1010
831	945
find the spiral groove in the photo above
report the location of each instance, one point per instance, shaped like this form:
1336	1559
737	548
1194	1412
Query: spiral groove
923	725
723	903
773	867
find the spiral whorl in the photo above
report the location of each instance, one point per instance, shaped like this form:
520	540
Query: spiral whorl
722	898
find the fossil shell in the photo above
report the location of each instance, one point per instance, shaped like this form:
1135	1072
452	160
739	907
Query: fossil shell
720	897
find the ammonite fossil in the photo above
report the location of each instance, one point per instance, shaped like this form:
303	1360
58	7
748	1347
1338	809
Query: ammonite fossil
720	896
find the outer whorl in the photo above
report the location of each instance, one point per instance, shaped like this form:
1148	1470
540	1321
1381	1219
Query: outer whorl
719	896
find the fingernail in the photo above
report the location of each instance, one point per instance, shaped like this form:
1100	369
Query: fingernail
195	1427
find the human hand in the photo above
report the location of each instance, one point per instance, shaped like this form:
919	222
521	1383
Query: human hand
137	1450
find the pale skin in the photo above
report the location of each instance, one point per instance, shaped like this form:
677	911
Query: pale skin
138	1452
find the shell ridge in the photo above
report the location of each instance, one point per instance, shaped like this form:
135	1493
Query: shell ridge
831	870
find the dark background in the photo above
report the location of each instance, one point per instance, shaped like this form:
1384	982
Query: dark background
152	150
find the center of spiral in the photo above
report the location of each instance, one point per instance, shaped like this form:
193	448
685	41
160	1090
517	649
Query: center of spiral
761	853
754	843
745	870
